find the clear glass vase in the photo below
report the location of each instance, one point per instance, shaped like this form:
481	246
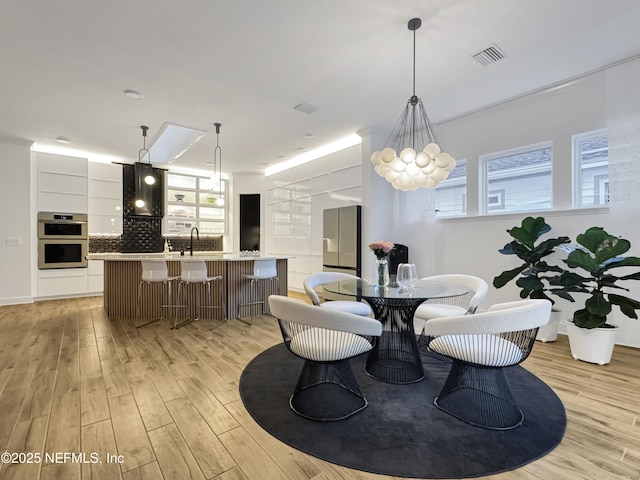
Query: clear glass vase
382	272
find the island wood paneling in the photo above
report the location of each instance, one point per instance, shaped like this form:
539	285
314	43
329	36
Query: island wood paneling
122	280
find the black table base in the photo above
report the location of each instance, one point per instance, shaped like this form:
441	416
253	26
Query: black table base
395	358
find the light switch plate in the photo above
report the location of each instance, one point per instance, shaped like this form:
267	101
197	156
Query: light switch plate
14	241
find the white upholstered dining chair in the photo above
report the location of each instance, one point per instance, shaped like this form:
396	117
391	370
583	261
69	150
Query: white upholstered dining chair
315	280
480	346
326	339
462	305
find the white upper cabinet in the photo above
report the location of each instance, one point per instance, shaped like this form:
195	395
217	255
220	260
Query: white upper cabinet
105	198
62	183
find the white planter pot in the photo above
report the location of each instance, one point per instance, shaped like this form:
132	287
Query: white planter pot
549	332
593	345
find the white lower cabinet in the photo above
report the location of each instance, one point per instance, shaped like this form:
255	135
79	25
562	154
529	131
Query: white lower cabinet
62	282
95	276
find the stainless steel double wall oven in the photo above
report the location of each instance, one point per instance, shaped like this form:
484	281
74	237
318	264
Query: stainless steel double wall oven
63	241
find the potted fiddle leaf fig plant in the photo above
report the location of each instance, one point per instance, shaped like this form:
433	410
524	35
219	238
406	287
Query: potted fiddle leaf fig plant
533	272
591	337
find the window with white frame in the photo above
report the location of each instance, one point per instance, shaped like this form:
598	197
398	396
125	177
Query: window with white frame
451	194
517	180
194	201
590	153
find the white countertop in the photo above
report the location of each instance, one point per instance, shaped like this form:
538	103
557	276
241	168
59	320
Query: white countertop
173	256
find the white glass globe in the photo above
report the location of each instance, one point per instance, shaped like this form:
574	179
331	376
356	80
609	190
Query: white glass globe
422	159
408	155
398	165
442	159
388	154
392	175
412	169
432	149
430	168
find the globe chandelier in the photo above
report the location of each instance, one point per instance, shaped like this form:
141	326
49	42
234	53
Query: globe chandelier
420	161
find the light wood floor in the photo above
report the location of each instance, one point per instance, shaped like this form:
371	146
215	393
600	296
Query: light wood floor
167	402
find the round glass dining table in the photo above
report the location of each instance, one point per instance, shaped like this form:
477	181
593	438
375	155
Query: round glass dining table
395	357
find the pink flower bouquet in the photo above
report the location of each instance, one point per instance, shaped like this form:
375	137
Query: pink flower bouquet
381	248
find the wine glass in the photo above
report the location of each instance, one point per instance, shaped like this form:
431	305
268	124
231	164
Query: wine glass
407	275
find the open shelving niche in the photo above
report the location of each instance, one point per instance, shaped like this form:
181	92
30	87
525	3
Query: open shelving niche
194	201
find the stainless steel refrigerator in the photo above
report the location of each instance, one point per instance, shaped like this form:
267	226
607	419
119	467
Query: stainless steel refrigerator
342	240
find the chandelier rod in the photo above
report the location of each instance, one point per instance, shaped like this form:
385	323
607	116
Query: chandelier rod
217	157
144	144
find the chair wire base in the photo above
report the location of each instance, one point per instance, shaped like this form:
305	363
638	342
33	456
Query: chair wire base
480	396
327	392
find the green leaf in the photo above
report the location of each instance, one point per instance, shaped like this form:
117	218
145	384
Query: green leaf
547	247
581	259
508	275
569	279
610	248
627	305
598	305
540	295
530	231
624	262
530	282
632	276
583	319
562	294
515	248
592	238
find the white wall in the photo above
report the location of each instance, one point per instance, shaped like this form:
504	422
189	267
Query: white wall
608	99
15	186
296	199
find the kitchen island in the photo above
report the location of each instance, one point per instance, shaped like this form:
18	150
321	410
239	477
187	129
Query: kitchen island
123	271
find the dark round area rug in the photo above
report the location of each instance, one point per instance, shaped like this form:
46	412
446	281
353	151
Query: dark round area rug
401	433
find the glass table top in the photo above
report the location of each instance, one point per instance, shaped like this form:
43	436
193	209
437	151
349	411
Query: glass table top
423	289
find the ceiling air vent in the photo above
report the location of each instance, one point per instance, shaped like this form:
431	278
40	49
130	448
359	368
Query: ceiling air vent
306	108
489	55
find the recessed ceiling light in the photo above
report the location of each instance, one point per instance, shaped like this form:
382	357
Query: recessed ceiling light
209	163
309	136
133	94
64	140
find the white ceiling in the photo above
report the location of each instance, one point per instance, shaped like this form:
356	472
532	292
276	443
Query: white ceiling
247	63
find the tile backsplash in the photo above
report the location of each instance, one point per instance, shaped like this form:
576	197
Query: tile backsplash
111	244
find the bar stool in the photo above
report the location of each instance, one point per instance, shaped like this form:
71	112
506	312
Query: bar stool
154	272
194	272
263	269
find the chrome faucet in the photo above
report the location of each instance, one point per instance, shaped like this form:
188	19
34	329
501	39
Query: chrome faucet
191	239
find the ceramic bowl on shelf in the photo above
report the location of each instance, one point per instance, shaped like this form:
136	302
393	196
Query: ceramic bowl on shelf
179	197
